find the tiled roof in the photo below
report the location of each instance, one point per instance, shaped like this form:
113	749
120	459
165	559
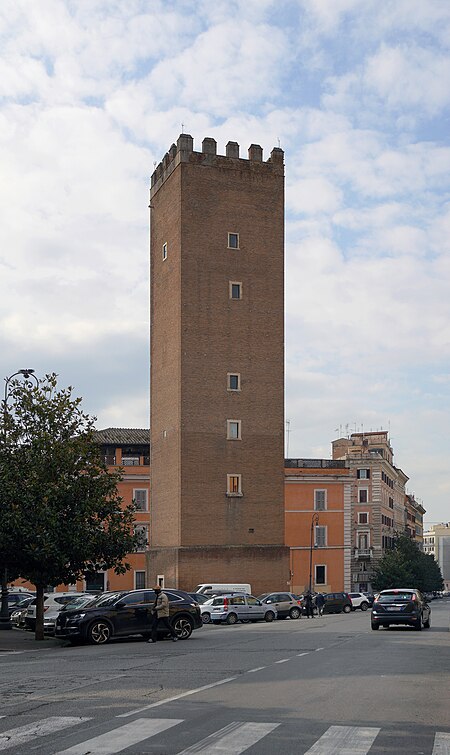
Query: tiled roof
122	436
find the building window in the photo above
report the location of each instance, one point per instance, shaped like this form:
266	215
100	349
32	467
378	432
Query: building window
363	474
139	580
321	536
363	541
164	250
233	429
391	503
233	241
321	574
233	381
140	499
363	517
320	500
235	290
142	531
234	484
363	495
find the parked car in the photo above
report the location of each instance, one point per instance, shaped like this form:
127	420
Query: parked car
401	606
126	613
286	603
16	597
359	600
199	597
370	597
19	611
52	600
79	601
336	602
236	607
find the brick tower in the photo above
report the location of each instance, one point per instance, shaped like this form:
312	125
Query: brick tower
217	368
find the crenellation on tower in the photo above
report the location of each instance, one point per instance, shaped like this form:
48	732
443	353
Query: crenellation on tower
183	152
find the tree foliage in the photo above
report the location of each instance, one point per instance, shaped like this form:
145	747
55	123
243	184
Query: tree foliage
407	566
60	512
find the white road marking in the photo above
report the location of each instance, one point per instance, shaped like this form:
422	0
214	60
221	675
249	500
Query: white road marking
351	740
441	743
317	649
125	736
258	668
299	655
285	660
232	739
177	697
24	734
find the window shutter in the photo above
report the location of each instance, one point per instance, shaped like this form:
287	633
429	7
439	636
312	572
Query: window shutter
140	499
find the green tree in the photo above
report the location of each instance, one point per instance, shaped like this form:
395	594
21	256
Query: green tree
406	566
60	505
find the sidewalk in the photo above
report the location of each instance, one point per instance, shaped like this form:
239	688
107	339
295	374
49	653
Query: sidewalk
18	640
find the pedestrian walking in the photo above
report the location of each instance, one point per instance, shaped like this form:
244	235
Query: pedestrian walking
309	605
320	602
160	615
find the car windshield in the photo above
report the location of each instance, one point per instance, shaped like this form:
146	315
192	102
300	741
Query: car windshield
395	597
264	595
108	599
83	600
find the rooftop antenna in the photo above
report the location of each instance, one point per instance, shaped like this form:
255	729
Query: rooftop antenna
288	430
182	128
278	140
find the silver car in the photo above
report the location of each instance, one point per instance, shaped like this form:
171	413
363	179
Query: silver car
286	604
230	609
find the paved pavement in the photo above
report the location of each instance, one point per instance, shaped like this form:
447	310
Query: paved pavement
17	640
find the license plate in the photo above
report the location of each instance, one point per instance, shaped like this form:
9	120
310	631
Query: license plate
392	608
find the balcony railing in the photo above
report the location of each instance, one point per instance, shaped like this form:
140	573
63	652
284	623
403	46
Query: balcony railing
363	552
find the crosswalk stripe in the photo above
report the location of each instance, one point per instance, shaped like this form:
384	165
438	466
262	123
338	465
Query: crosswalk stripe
23	734
125	736
232	739
441	743
353	740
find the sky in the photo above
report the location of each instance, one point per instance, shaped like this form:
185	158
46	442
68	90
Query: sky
356	92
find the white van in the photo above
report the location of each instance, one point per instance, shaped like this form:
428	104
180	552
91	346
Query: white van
223	587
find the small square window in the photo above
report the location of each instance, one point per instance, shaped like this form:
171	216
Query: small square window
235	290
233	429
164	250
233	241
234	484
234	381
363	517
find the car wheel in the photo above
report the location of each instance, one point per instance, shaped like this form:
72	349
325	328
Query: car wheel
427	623
364	606
184	627
269	616
231	618
206	617
347	609
418	626
375	626
294	613
99	632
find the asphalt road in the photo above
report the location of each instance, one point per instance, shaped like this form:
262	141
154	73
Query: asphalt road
323	686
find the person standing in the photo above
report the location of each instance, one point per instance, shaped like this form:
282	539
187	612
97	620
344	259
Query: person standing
320	602
160	615
309	605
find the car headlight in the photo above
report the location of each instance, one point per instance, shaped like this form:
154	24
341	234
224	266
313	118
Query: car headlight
77	617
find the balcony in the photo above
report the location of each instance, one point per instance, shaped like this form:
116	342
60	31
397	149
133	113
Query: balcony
363	553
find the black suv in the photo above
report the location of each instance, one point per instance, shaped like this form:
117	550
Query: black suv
336	602
401	606
121	614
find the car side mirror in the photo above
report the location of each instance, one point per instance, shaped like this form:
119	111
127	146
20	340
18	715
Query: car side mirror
259	603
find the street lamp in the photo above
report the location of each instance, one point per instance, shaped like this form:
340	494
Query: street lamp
314	523
27	373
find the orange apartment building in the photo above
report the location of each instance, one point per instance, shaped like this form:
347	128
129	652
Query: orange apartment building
317	523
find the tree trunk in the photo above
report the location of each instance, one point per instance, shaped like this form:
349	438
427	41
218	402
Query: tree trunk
39	631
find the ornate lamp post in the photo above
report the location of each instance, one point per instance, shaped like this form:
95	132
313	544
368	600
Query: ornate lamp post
314	523
4	613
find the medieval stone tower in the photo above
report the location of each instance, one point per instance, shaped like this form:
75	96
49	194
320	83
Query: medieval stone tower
217	367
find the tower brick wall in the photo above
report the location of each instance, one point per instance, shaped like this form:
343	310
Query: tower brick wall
200	335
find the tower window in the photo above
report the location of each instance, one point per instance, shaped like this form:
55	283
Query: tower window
233	429
233	381
233	241
164	250
235	290
234	484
